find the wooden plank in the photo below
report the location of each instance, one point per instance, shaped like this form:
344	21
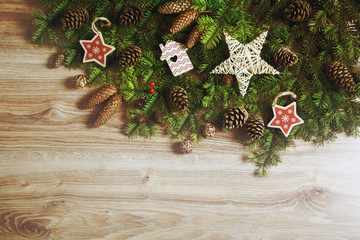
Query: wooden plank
118	196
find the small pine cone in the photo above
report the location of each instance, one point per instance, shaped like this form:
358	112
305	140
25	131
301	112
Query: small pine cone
139	103
101	95
255	127
58	60
112	105
183	20
186	146
178	97
75	18
131	16
80	81
298	11
158	117
143	118
235	117
285	58
174	6
209	130
194	37
341	76
227	79
130	56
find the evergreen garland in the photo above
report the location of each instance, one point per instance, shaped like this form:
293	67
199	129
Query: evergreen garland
331	34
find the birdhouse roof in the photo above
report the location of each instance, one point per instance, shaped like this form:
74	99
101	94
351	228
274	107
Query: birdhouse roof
171	49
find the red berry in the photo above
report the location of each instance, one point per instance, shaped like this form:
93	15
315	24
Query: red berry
152	84
152	90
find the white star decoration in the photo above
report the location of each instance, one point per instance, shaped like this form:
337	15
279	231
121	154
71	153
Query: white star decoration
244	61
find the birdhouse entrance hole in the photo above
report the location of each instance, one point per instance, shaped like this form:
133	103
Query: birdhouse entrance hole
174	59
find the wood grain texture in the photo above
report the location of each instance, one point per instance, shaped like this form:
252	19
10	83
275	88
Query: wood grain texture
61	179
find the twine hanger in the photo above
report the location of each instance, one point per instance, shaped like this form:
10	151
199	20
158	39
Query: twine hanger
282	94
107	24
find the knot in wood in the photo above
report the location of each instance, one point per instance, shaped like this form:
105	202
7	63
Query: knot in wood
32	229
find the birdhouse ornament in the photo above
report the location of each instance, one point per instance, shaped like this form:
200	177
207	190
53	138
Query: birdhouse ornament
285	118
176	57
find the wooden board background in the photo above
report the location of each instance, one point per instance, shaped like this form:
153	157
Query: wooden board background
60	179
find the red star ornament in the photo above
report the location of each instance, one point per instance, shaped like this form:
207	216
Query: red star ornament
285	118
96	50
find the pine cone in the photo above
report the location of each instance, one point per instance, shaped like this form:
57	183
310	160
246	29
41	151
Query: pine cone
227	79
235	117
139	103
285	58
341	76
183	20
209	130
80	81
112	105
143	118
131	16
101	95
174	6
194	37
255	127
298	11
58	60
75	18
130	56
178	97
158	117
186	146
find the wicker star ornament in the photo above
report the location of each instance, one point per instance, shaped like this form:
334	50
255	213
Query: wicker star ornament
244	61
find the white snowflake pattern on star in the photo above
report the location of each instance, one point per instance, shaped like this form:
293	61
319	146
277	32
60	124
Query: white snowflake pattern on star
285	118
96	50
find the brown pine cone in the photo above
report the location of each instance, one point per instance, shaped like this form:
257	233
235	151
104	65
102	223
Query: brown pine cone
285	58
58	60
158	117
75	18
209	130
139	103
341	76
227	79
186	146
298	11
130	56
255	127
101	95
178	97
131	16
143	118
235	117
174	6
112	105
183	20
194	37
80	81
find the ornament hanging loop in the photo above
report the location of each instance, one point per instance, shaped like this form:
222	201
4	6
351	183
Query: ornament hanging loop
282	94
94	28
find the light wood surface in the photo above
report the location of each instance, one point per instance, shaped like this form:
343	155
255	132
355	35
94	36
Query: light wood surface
60	179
